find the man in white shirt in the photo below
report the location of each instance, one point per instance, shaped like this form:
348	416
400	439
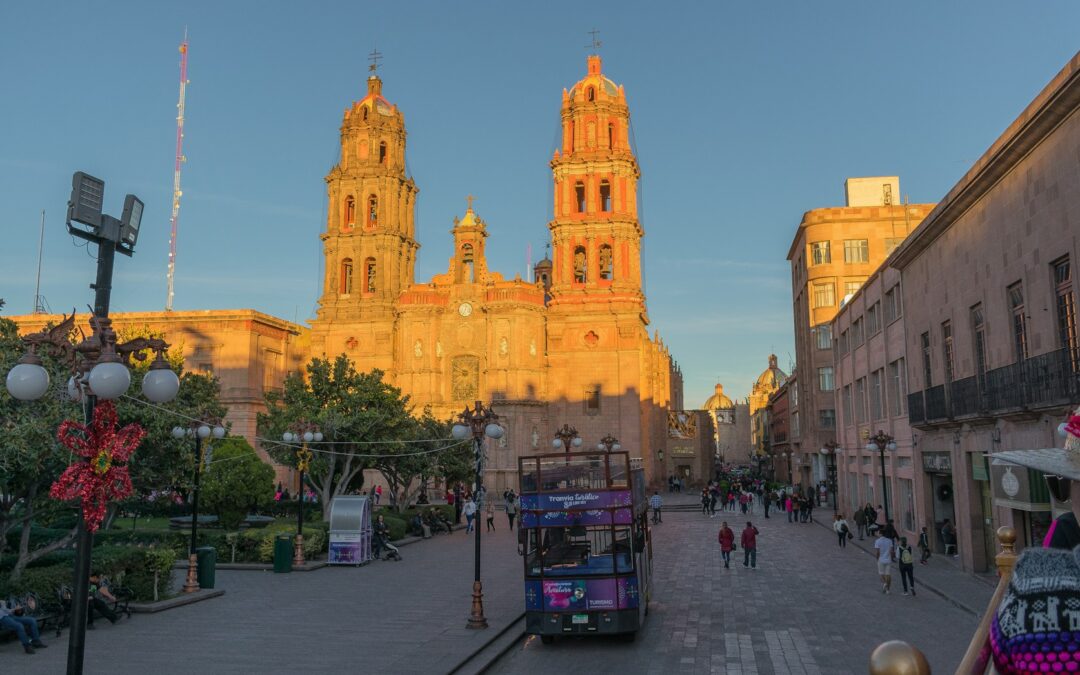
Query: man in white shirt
884	547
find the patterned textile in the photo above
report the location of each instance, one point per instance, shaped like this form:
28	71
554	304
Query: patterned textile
1037	626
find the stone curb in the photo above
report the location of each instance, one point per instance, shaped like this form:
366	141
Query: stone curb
959	604
483	664
178	601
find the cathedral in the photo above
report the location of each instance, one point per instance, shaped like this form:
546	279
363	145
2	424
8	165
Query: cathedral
570	346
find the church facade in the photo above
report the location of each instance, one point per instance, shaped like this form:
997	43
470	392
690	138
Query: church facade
570	346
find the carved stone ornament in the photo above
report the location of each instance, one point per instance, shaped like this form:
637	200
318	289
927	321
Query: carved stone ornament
351	344
504	346
591	339
418	349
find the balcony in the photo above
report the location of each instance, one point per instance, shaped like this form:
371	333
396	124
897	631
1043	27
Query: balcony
1044	381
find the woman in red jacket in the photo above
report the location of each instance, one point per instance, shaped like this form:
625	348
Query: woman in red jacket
727	543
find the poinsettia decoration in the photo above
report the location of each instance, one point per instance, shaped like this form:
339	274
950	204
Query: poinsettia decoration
103	476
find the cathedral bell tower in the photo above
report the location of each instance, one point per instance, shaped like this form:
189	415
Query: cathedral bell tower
369	242
596	237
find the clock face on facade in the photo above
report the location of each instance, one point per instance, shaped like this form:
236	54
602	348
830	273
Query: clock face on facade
464	309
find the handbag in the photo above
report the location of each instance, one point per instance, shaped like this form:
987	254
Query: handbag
850	535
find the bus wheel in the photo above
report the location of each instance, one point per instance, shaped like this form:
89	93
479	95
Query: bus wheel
629	637
547	639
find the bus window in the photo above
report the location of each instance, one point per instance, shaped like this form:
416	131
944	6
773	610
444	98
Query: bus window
528	475
574	473
585	551
531	550
617	467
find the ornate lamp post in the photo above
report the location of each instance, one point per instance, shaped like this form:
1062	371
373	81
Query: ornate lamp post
880	442
99	363
477	423
305	433
608	444
829	451
566	437
199	431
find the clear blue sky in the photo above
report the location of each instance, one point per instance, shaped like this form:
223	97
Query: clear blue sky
745	115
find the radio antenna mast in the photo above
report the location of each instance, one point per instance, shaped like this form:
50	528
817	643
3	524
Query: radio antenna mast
39	301
180	159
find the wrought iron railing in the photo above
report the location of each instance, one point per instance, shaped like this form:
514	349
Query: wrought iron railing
916	408
965	398
937	408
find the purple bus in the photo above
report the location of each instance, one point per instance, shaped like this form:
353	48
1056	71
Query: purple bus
585	538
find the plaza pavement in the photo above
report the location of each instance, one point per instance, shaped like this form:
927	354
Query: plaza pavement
809	608
386	617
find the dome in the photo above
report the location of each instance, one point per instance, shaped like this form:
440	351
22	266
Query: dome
718	401
596	79
773	378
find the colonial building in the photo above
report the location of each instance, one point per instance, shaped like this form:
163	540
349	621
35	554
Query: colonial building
771	379
570	346
731	429
833	252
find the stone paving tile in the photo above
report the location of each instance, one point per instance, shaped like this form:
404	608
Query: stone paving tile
405	617
809	609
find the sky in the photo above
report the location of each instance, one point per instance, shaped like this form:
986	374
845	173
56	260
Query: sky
745	115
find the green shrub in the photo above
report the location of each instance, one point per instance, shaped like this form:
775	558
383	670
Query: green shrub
142	570
237	482
315	541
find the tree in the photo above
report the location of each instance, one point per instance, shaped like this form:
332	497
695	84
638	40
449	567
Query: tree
236	481
353	410
407	467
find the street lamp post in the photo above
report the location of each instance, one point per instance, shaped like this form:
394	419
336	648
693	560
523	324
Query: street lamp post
565	438
305	433
199	431
609	444
880	442
99	362
477	423
829	451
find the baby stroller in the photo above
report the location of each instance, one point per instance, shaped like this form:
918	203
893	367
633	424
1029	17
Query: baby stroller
378	543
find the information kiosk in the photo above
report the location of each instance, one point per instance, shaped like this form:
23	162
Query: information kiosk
350	531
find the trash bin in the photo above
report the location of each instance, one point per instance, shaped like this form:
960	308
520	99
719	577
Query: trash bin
207	560
283	553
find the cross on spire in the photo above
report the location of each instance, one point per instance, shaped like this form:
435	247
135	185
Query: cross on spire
594	43
469	200
374	57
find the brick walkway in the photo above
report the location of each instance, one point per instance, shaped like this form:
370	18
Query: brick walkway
810	608
405	617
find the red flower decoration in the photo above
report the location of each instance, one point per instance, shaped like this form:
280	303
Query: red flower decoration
103	477
1073	425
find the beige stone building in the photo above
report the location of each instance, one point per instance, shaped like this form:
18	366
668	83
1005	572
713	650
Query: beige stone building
833	252
771	379
570	346
989	297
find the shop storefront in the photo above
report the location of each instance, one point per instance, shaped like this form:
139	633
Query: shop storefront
939	480
1023	491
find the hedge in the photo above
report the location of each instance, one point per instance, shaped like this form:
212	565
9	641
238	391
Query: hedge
146	571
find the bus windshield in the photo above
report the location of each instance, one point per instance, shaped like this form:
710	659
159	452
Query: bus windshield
578	551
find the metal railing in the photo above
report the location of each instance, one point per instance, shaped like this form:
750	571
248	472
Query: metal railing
937	407
916	408
965	398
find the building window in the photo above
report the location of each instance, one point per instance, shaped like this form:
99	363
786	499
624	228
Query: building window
873	318
877	405
846	403
369	275
607	263
886	194
825	378
350	211
897	390
590	94
1019	321
1066	309
372	211
820	253
856	332
824	295
924	341
579	195
843	342
592	401
823	333
382	152
795	424
345	285
827	419
948	353
892	304
892	243
856	251
907	505
851	288
978	331
860	400
611	135
581	274
605	196
468	260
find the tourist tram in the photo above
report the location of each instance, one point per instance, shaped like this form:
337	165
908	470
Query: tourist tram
584	535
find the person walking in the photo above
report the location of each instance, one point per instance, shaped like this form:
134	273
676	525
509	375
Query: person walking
885	555
789	506
714	493
924	547
490	512
749	545
906	560
470	514
860	523
655	503
809	511
704	501
727	543
511	509
766	502
840	526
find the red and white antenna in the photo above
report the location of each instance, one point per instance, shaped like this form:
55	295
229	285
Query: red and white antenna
180	159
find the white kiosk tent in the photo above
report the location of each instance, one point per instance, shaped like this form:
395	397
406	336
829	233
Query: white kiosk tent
350	531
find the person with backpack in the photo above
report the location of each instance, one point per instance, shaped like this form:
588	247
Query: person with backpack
727	543
840	526
907	565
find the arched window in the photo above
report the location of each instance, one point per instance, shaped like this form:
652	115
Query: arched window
590	94
611	135
467	259
607	263
350	211
579	195
373	211
365	109
369	275
581	273
605	196
345	284
382	152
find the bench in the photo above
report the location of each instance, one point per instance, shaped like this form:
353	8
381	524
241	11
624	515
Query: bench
33	607
122	603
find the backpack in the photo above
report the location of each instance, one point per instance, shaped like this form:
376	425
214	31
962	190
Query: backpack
905	556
